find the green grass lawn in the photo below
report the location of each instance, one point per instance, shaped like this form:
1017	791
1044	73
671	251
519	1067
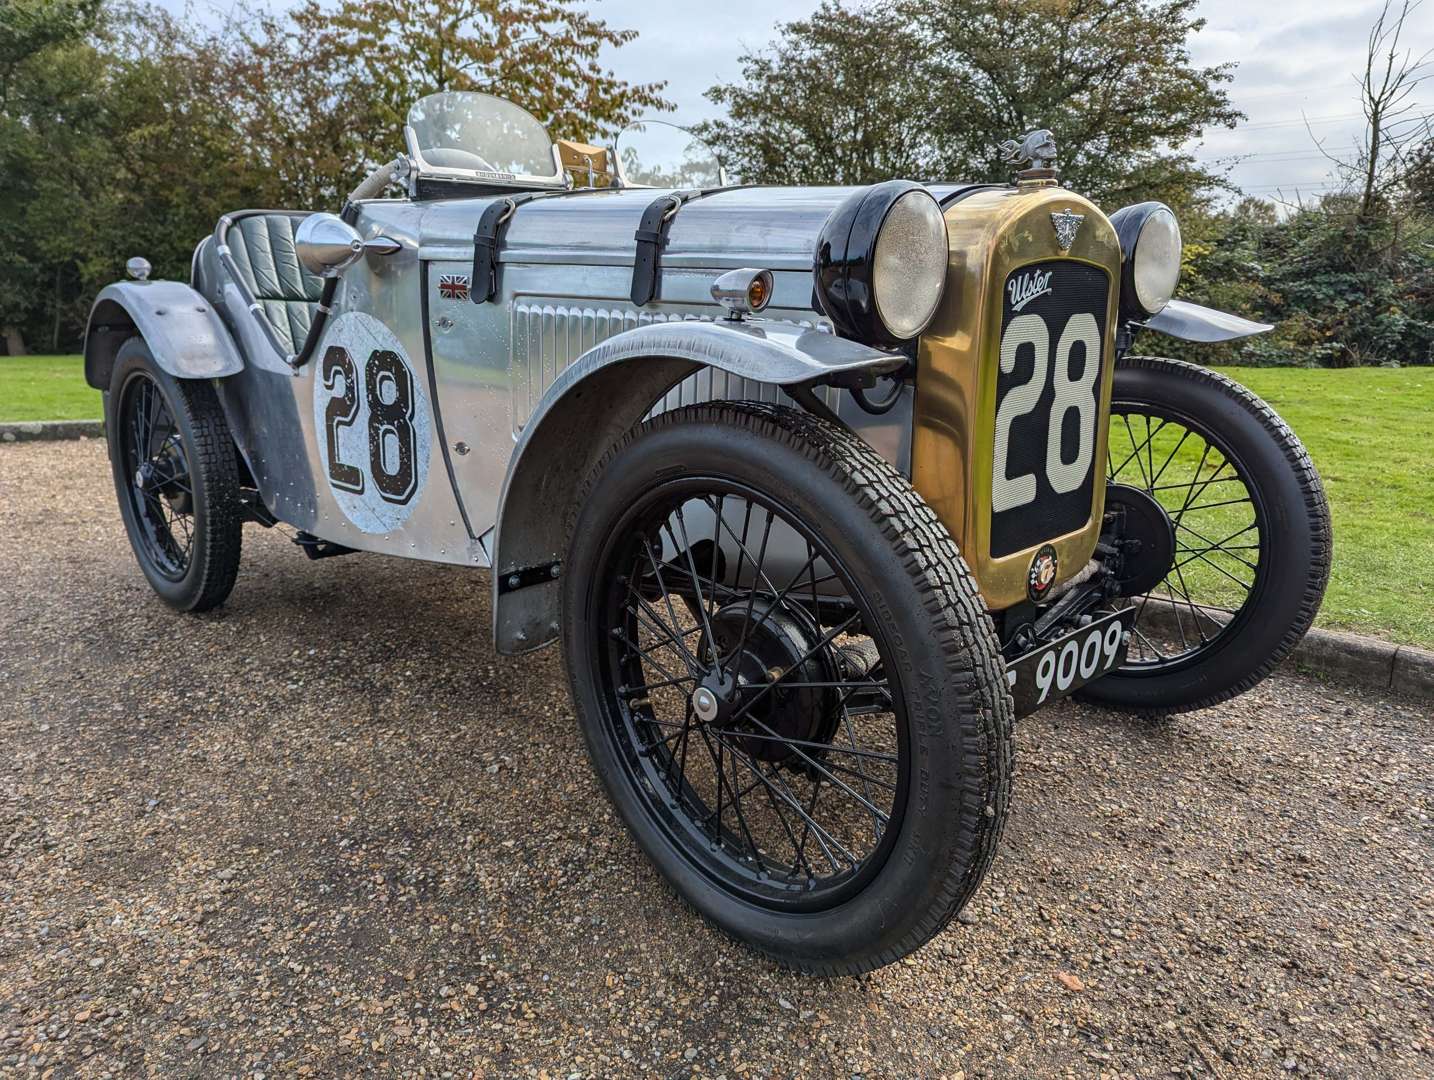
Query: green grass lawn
1371	434
46	388
1370	431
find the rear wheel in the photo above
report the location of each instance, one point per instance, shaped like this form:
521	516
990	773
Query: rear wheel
1252	540
787	683
177	480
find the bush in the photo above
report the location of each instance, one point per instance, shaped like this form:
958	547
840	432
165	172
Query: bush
1343	290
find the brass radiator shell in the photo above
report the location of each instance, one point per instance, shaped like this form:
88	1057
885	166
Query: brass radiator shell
992	233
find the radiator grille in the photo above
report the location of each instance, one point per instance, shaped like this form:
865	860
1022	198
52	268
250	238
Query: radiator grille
1053	332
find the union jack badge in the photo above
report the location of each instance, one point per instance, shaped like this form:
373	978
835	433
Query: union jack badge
453	286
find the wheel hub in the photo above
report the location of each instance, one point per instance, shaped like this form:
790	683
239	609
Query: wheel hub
165	474
1141	531
774	645
704	704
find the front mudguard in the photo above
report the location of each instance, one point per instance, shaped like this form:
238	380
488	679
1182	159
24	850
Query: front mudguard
1192	322
599	397
181	328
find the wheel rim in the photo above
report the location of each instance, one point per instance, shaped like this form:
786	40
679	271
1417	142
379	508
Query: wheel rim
1221	535
157	481
736	700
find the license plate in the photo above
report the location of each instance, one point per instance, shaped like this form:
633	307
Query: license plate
1065	665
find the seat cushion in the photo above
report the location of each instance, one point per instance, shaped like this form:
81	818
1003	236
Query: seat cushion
263	248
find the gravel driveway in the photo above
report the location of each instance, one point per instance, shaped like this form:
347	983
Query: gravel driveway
327	831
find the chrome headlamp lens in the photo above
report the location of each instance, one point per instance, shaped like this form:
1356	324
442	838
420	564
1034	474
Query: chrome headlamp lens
1157	261
1151	247
909	272
880	267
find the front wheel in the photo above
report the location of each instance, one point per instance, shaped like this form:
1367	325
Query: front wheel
787	683
1251	531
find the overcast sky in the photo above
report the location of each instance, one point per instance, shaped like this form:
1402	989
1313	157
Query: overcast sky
1296	62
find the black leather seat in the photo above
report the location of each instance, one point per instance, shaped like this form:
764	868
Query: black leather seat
262	246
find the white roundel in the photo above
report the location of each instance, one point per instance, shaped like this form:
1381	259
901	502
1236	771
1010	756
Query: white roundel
371	422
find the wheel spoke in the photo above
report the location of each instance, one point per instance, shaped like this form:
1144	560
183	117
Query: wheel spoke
1219	532
831	748
157	477
826	640
785	793
1155	477
794	780
648	688
696	580
812	762
735	796
693	666
757	576
638	652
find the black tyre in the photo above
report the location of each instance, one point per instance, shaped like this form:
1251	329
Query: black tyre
1252	536
177	478
787	683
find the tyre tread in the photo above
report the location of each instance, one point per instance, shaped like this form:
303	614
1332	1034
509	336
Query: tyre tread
213	456
213	453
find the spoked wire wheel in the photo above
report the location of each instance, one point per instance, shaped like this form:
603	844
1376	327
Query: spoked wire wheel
1251	536
748	698
176	475
1219	524
154	458
787	682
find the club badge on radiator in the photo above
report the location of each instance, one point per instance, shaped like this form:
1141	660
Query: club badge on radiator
1067	225
1042	574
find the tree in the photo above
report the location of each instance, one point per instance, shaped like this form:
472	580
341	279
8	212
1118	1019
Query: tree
124	131
1393	131
835	101
541	54
1419	180
1112	79
116	141
949	80
36	37
28	26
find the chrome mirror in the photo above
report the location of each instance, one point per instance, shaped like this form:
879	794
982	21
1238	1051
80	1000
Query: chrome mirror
326	244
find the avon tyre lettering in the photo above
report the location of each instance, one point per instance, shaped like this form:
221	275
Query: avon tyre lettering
372	424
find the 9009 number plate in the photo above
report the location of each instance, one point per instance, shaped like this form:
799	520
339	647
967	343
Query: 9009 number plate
1065	665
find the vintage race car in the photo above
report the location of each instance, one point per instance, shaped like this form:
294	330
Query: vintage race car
819	487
